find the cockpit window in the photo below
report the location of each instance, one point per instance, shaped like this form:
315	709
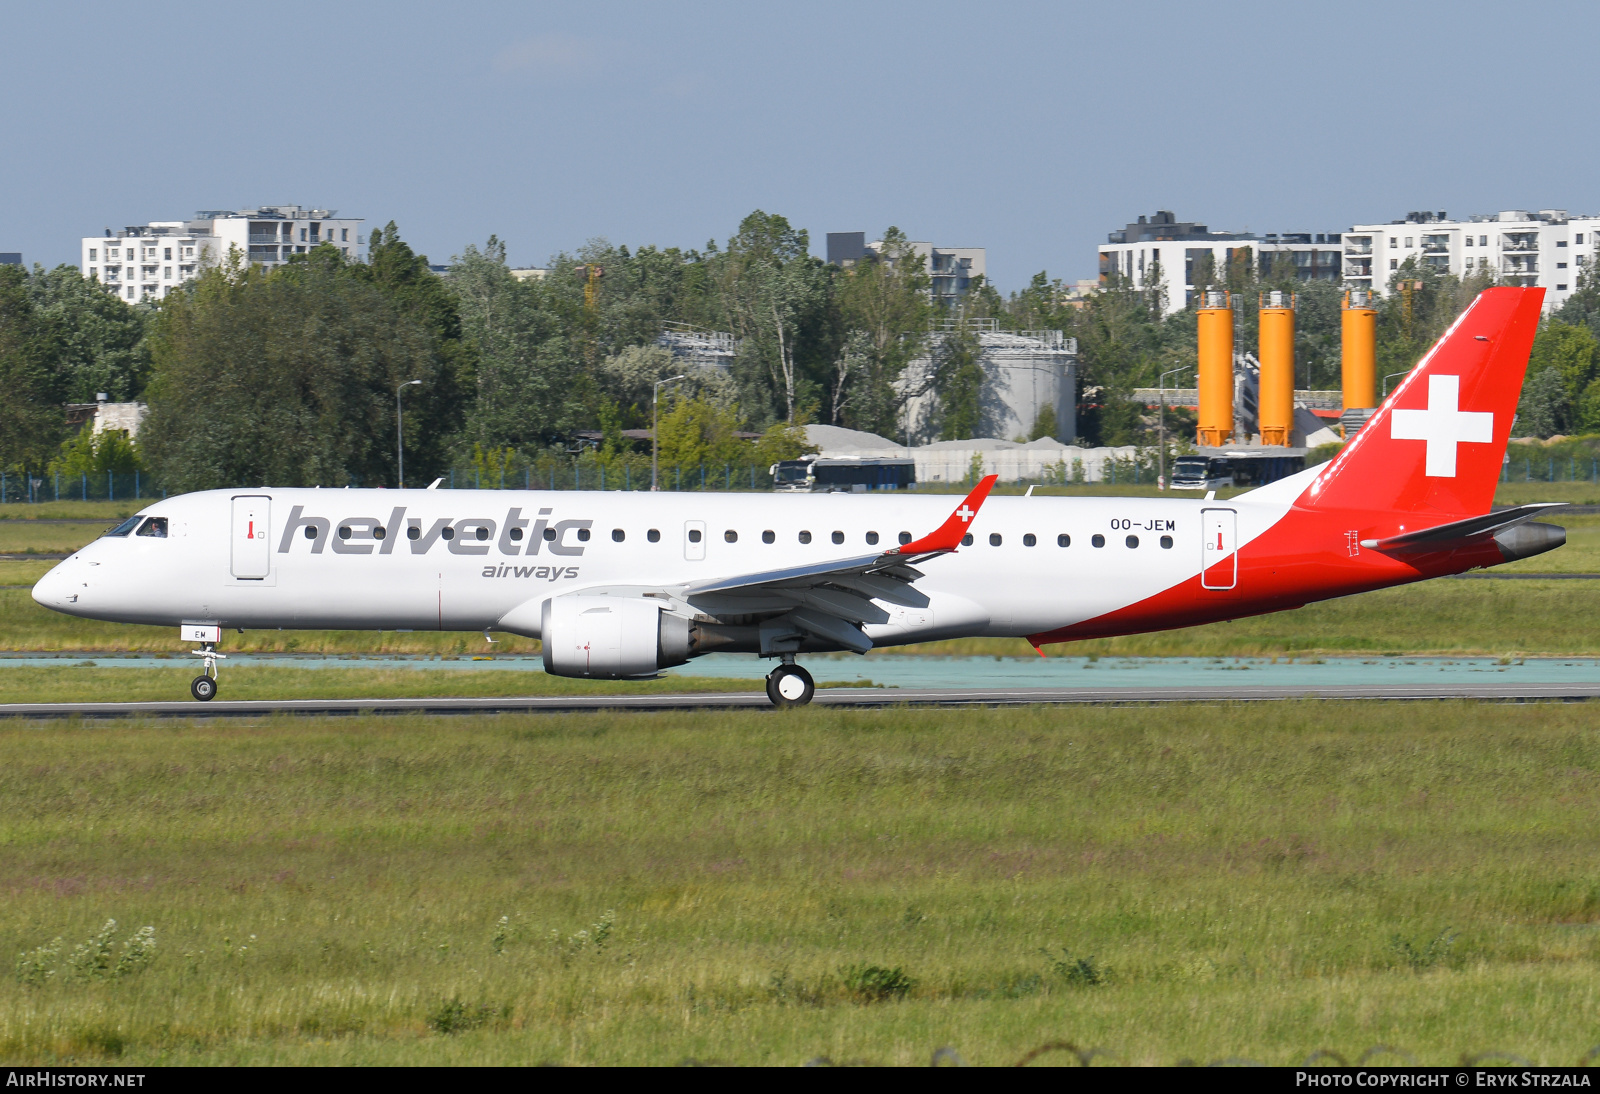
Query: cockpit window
155	527
125	527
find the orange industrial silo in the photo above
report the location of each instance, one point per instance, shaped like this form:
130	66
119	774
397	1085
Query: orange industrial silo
1216	369
1275	400
1358	351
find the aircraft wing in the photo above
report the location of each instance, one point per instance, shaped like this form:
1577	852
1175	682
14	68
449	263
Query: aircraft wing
829	600
832	599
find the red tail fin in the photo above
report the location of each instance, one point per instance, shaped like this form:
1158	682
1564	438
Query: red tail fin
1436	443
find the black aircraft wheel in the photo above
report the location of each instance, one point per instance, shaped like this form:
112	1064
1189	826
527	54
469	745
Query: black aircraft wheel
204	688
790	686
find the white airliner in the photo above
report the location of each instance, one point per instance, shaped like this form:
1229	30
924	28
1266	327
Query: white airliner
623	584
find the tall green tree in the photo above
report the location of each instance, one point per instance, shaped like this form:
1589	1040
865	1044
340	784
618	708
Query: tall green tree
99	337
1562	368
959	372
528	383
883	305
32	423
285	378
1119	343
772	290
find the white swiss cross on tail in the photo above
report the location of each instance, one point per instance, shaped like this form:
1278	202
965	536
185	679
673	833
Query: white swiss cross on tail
1442	425
965	514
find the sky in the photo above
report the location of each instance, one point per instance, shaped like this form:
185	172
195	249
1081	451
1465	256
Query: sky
1028	129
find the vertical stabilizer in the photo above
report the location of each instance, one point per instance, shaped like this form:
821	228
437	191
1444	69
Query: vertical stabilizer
1436	444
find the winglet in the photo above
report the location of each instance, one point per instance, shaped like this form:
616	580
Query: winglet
948	536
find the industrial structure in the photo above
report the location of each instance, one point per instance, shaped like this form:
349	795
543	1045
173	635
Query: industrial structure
147	261
951	270
1026	374
10	258
1244	398
1358	359
1275	382
1215	394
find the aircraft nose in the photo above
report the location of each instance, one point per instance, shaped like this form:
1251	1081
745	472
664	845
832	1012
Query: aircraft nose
55	589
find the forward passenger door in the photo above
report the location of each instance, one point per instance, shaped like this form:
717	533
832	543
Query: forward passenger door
252	520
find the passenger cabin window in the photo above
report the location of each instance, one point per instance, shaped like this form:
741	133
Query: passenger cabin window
966	540
994	539
516	533
653	535
1029	540
344	531
1098	540
1133	541
311	532
872	538
155	528
769	536
838	537
618	535
483	533
129	525
416	533
905	538
1166	543
377	533
805	537
694	535
549	535
731	536
1063	540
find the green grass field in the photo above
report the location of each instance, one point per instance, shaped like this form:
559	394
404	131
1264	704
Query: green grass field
85	681
1189	882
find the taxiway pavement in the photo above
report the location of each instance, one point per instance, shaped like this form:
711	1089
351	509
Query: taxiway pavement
841	698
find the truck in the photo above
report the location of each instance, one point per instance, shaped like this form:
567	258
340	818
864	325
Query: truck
1214	472
1201	473
844	474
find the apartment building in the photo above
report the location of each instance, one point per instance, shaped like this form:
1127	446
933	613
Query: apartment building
1163	252
1545	248
951	270
147	261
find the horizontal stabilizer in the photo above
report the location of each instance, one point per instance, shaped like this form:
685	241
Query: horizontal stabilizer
1442	537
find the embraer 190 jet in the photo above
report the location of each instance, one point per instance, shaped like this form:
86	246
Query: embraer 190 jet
620	585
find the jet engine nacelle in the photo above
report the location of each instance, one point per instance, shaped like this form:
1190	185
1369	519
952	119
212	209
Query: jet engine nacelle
610	637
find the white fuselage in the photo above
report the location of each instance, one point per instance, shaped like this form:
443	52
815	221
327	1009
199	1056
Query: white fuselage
380	559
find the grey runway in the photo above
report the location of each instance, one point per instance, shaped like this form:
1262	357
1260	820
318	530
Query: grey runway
840	698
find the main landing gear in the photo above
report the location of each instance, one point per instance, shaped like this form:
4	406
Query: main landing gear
789	685
204	686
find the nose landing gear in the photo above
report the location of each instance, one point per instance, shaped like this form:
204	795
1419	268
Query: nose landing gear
789	685
204	686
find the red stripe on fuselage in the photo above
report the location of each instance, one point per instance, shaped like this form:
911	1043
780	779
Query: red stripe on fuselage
1305	557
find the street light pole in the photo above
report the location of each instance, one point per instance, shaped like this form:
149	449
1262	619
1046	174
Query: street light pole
1161	475
399	436
655	425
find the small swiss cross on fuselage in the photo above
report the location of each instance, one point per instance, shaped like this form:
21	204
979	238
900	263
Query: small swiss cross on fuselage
965	514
